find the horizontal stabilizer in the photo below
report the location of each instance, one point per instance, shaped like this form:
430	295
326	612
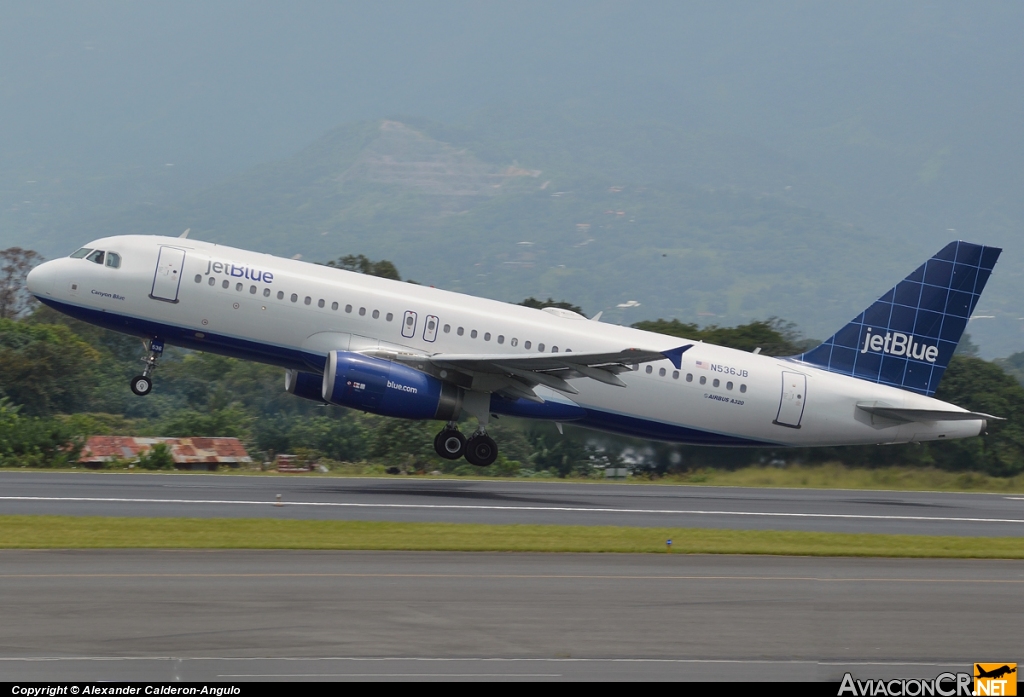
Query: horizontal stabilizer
908	415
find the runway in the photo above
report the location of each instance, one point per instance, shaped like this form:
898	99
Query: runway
403	498
301	615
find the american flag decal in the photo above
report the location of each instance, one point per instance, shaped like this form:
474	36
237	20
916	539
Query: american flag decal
702	364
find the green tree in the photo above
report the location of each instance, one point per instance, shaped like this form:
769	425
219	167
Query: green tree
47	368
773	336
158	457
361	264
979	385
551	302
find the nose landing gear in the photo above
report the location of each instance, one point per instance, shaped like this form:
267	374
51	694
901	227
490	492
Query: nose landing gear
143	384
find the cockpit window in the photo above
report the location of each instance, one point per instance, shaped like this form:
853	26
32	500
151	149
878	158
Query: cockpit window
81	253
113	260
96	257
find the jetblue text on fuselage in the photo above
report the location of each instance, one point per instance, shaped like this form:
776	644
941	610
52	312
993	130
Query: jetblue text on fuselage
899	344
239	271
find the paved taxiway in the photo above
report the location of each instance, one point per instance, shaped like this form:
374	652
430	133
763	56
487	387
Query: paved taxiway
480	501
266	615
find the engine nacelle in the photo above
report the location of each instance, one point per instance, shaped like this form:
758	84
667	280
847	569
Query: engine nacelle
305	385
387	388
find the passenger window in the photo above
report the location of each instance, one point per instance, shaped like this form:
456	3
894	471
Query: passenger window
728	385
225	284
252	290
689	377
703	380
213	281
308	300
554	349
320	302
295	297
460	331
80	253
280	295
540	347
743	388
514	342
362	312
472	334
661	372
501	338
96	257
238	287
487	336
389	317
716	383
447	328
266	292
526	344
675	374
348	308
334	306
650	370
199	278
376	314
113	260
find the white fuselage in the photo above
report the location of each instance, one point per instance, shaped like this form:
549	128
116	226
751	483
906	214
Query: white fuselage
291	314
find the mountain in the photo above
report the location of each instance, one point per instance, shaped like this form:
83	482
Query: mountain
600	220
644	221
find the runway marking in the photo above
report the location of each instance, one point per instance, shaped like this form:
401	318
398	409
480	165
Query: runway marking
479	659
558	509
573	577
390	675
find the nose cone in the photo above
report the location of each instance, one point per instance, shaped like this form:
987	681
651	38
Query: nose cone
40	279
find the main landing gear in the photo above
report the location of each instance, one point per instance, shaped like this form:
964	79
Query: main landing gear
480	449
142	385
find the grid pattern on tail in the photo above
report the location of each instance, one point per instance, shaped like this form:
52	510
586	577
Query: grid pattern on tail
907	338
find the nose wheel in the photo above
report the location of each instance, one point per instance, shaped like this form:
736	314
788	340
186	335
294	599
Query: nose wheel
142	385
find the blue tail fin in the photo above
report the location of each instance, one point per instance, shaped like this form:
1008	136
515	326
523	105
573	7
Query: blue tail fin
908	336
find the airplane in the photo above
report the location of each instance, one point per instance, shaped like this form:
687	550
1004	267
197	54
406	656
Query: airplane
417	352
994	673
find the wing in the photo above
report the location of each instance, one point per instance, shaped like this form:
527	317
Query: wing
515	375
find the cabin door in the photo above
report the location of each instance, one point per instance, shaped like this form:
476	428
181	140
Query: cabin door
794	398
167	278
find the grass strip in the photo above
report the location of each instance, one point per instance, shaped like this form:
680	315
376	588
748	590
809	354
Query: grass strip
72	532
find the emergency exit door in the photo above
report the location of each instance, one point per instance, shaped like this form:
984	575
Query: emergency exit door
167	279
794	398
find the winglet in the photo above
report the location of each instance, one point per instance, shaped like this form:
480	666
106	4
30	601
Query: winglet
676	355
184	234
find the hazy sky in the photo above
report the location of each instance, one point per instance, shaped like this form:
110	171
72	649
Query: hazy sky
226	84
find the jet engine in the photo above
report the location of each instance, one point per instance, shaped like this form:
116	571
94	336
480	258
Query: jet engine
305	385
389	389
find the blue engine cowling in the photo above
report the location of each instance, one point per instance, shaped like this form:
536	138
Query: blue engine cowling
305	385
387	388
